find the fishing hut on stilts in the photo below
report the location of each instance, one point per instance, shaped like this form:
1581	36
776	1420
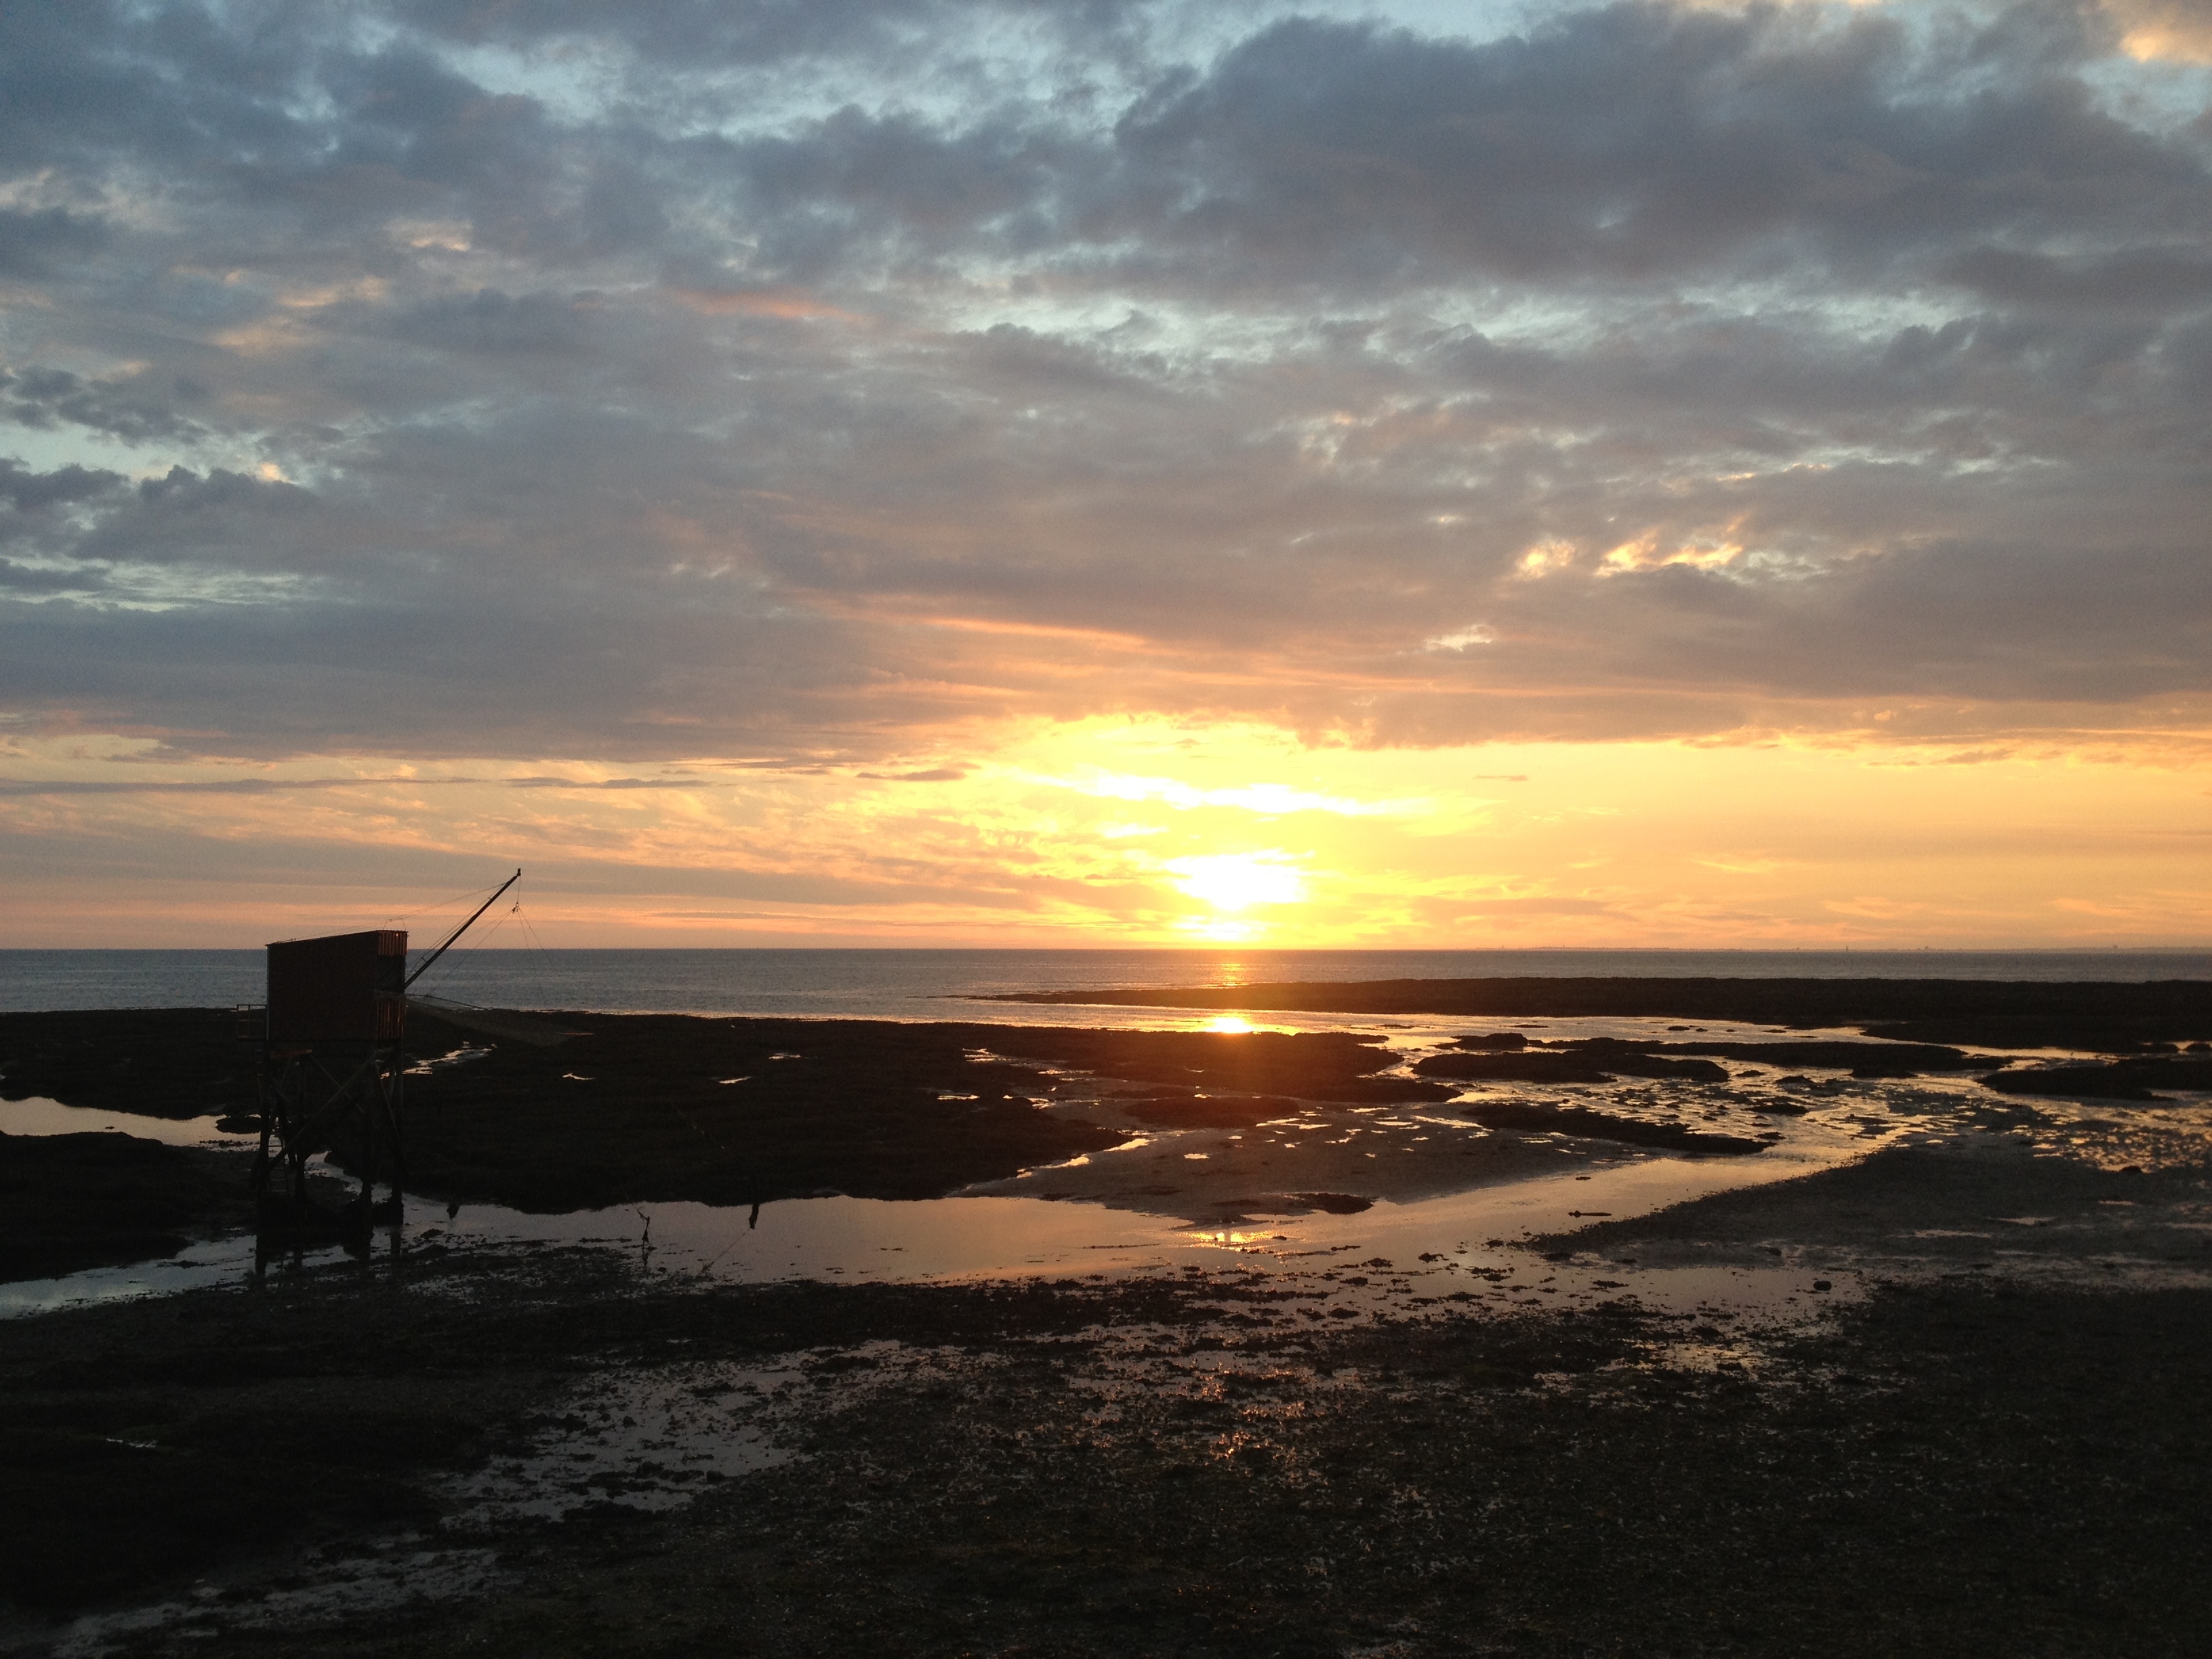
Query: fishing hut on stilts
331	1071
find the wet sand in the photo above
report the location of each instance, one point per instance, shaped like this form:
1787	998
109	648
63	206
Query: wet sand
1211	1129
1208	1129
557	1455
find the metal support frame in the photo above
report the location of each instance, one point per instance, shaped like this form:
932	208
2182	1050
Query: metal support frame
313	1097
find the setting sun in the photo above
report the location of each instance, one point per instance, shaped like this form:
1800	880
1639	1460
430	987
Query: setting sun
1237	881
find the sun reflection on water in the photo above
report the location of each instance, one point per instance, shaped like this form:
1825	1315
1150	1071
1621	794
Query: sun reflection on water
1222	1238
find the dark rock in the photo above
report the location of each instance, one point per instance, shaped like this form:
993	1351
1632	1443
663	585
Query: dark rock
1626	1061
1533	1067
1583	1063
874	1109
2126	1080
1325	1066
1195	1111
1533	1117
69	1202
155	1062
1335	1203
2112	1030
1873	1059
635	1107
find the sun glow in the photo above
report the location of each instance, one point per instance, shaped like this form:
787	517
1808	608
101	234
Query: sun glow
1777	843
1237	881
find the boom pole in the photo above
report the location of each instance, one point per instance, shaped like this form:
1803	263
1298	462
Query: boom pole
461	930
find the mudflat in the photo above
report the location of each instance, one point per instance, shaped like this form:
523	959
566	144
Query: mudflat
1213	1127
1208	1465
644	1108
1944	1398
93	1200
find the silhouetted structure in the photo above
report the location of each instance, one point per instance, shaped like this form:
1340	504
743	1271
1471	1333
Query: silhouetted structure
331	1068
331	1071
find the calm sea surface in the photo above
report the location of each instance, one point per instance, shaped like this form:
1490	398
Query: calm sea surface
943	984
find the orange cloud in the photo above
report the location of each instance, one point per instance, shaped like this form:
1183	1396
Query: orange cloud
2175	31
791	304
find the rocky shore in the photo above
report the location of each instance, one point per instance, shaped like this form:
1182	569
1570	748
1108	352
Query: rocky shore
1942	1398
1188	1467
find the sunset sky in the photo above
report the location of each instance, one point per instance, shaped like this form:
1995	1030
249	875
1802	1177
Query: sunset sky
826	472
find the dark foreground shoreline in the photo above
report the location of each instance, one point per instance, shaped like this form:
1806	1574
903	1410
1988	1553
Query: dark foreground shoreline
1185	1468
1978	1428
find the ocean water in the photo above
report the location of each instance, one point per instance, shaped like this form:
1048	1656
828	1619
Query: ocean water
899	984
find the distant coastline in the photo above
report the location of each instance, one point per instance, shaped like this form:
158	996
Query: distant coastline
2109	1015
910	983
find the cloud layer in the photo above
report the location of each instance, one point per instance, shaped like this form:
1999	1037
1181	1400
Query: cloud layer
838	385
637	380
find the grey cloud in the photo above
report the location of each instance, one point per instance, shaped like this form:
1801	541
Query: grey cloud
1612	144
684	33
443	141
1635	139
495	663
134	411
2151	281
31	492
23	580
219	518
1606	144
31	244
220	103
1044	366
285	786
491	321
19	786
101	79
2008	622
656	427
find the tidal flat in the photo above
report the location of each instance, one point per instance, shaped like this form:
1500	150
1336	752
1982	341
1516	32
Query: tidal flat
1916	1364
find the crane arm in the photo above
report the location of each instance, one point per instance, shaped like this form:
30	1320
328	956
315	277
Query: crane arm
425	966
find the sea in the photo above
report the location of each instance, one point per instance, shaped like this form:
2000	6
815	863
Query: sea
930	984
